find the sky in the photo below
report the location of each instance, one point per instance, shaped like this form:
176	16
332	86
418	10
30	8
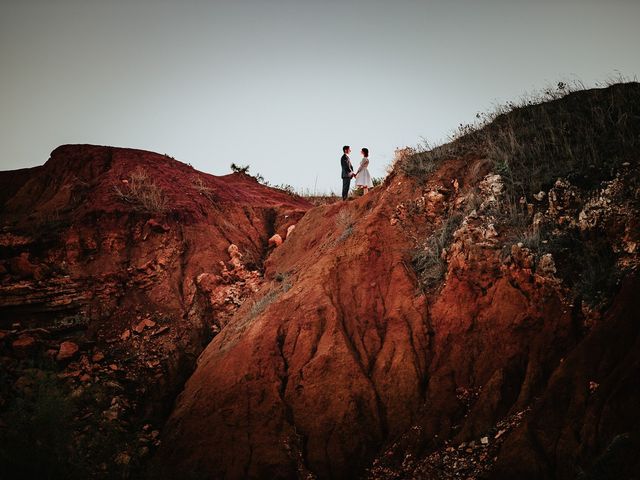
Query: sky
281	85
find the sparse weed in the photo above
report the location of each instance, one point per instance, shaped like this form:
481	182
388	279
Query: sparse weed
286	188
261	304
531	240
203	190
560	132
142	193
344	223
47	223
422	164
283	278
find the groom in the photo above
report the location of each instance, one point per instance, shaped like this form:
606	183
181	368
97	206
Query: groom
347	171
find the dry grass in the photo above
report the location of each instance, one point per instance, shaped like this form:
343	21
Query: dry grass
344	224
262	303
203	190
142	193
583	135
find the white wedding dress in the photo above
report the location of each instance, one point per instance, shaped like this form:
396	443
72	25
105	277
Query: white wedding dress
363	178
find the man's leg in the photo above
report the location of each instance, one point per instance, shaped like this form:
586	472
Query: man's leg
346	183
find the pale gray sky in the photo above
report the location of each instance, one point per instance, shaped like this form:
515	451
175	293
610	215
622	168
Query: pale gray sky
283	84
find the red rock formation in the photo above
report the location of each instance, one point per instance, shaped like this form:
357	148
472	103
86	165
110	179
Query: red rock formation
349	355
313	366
482	347
588	406
81	247
343	352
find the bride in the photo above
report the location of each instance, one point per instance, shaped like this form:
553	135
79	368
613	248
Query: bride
363	179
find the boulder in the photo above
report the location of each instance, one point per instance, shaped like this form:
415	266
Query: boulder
275	240
67	351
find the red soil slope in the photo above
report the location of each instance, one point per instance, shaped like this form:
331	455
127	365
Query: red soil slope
345	360
342	352
74	252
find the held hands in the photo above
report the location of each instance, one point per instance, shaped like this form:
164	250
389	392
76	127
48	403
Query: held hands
353	175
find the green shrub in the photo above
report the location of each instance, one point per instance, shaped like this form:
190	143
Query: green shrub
244	169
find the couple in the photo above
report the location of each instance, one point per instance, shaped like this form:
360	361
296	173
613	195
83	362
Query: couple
363	179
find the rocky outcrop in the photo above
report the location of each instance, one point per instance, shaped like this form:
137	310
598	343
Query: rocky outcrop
67	351
346	350
448	325
89	259
586	423
351	355
320	368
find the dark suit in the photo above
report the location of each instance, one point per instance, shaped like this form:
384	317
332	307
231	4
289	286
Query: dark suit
347	171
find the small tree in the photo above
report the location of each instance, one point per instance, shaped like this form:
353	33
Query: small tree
244	169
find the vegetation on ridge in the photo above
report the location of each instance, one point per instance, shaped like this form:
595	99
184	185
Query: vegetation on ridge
585	137
582	135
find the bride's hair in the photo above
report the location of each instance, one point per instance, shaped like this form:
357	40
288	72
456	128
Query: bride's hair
365	151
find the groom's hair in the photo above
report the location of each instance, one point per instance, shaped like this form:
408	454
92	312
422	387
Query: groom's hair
345	148
365	150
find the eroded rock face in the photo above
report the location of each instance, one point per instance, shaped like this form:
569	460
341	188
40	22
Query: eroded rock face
341	352
317	373
87	264
73	246
588	414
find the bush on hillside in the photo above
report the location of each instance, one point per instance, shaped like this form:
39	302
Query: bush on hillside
244	169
